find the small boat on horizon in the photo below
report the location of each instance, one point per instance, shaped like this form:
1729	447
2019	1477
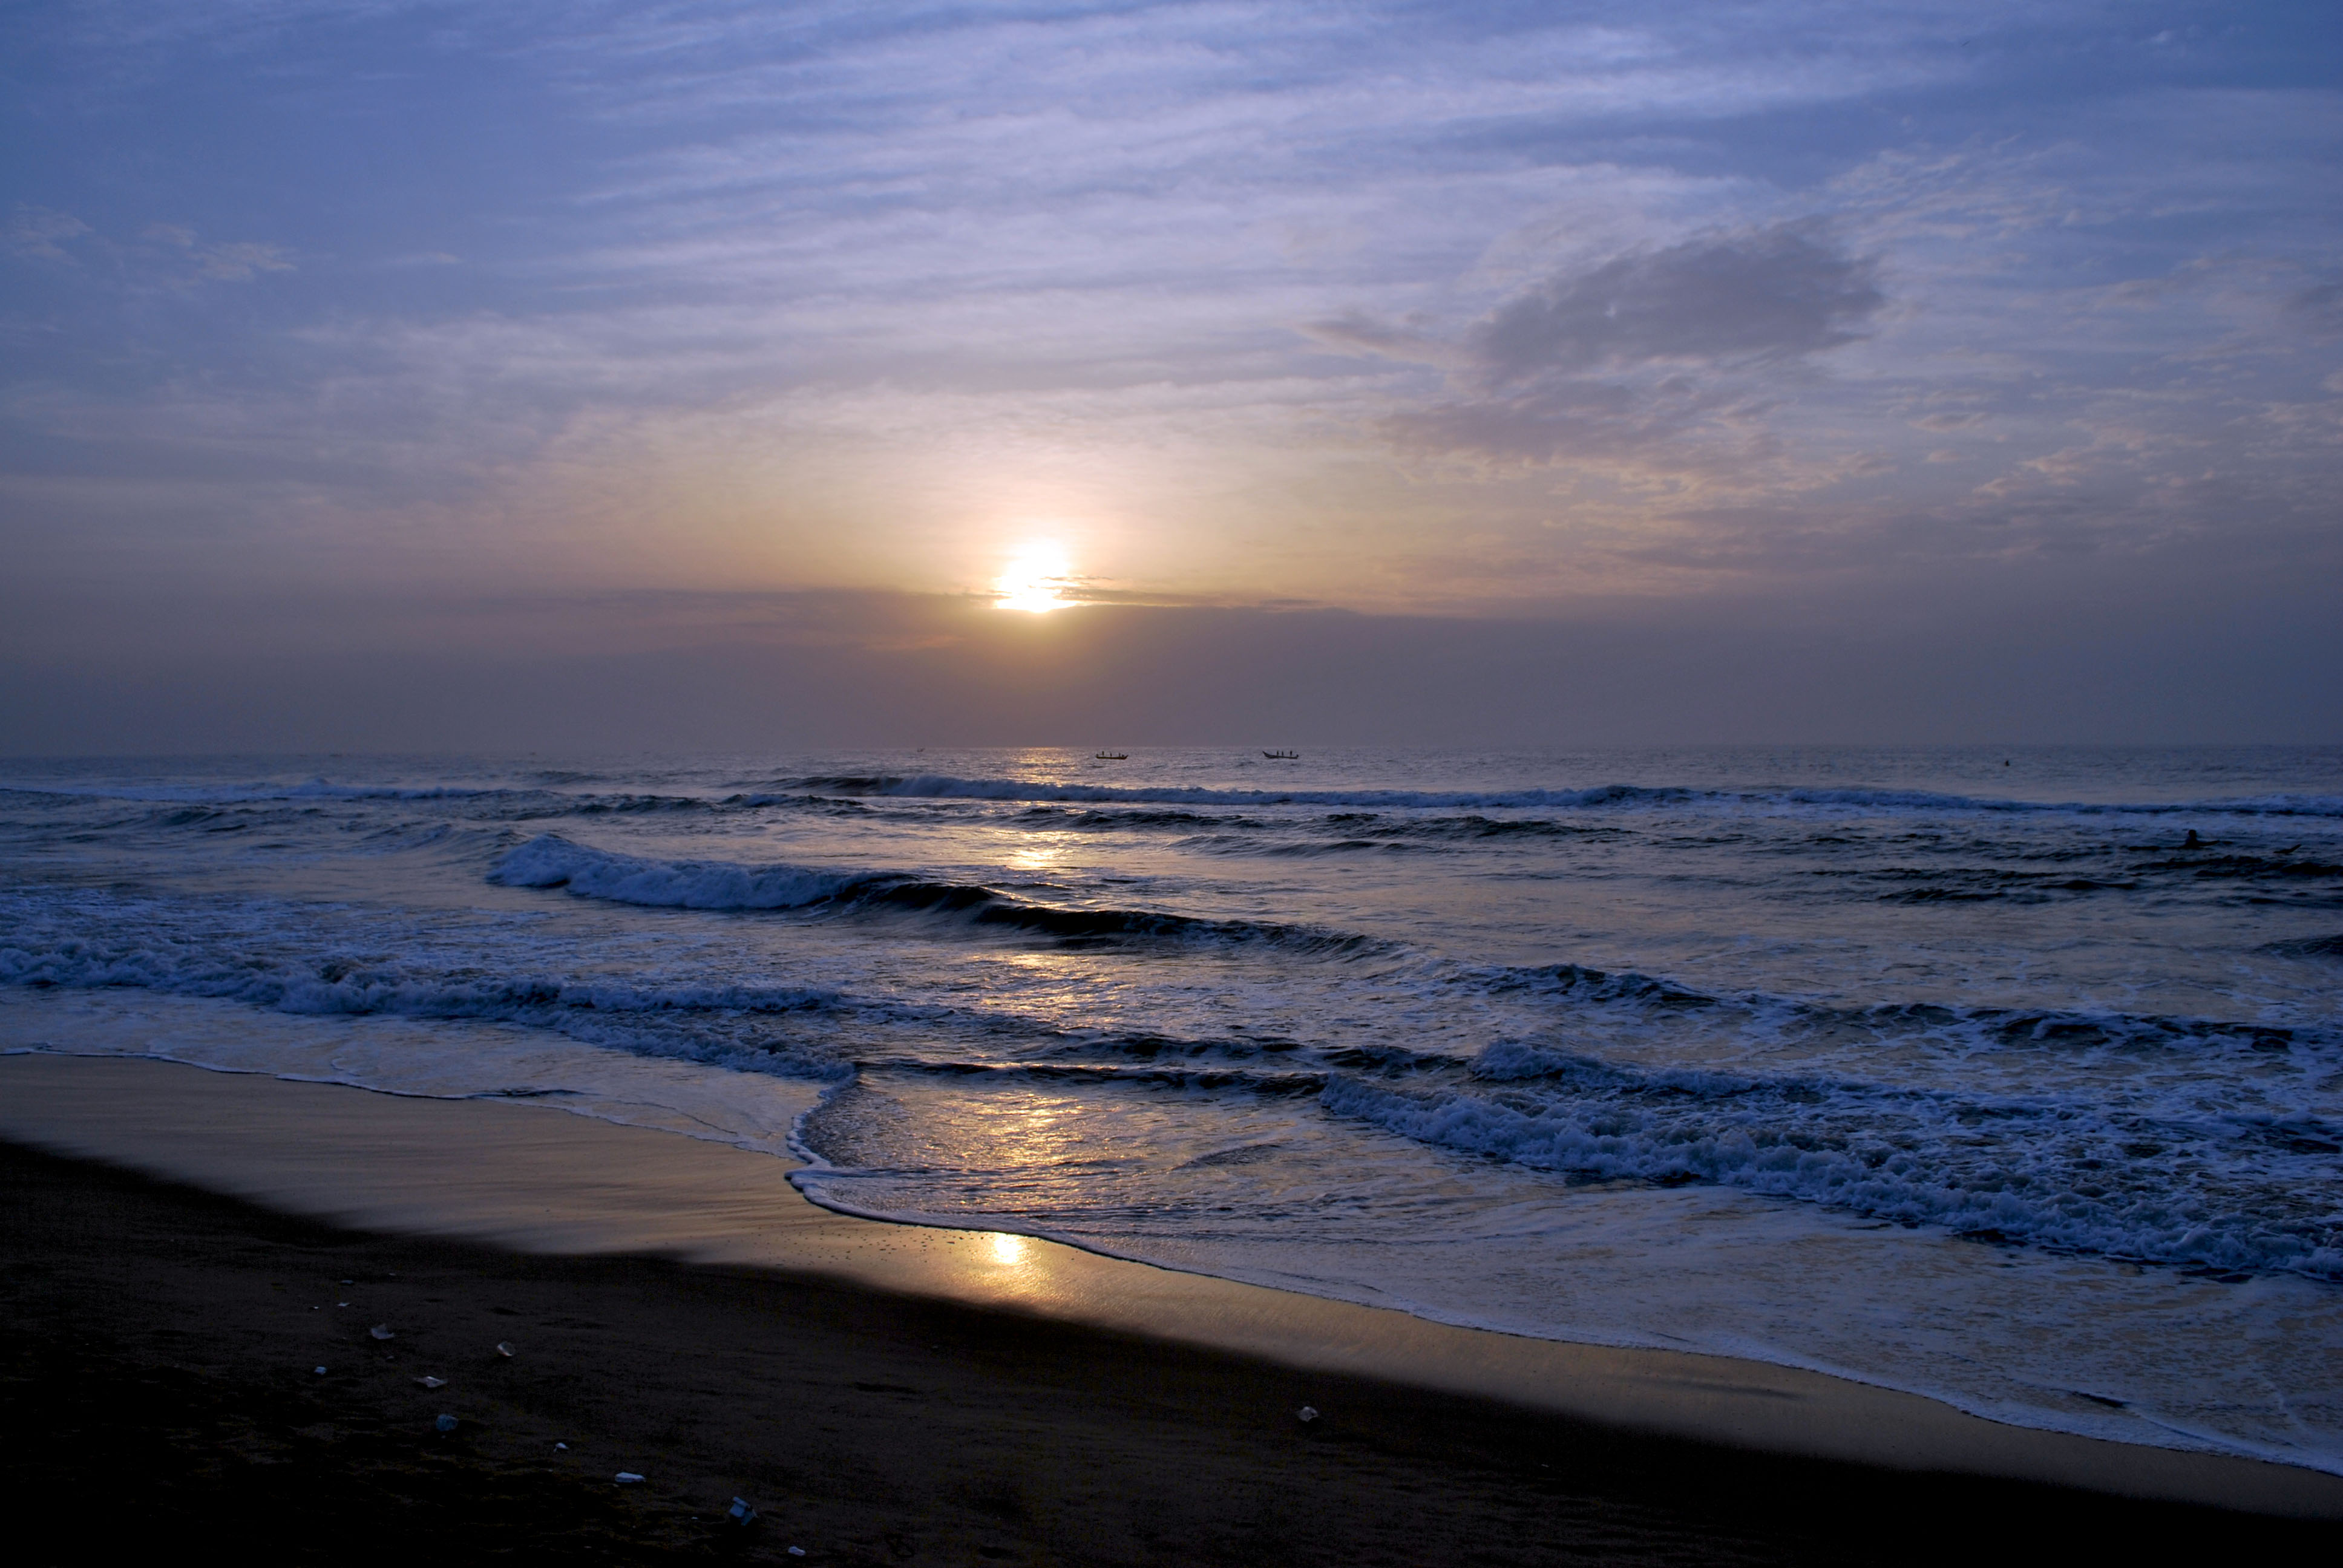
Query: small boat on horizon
1282	756
1111	756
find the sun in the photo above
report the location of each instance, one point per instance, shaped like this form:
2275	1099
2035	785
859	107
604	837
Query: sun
1034	581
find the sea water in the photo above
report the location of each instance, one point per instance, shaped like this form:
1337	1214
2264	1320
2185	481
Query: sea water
2011	1078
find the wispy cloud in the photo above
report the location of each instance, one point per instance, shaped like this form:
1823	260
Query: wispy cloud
38	231
1757	297
1398	306
235	261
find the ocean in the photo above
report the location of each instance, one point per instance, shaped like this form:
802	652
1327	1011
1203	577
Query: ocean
2011	1078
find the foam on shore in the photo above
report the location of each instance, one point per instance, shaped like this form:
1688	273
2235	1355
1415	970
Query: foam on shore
511	1175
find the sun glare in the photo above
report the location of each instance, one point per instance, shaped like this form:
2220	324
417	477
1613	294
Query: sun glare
1035	581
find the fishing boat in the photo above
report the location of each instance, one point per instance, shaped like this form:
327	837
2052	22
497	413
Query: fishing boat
1112	756
1282	756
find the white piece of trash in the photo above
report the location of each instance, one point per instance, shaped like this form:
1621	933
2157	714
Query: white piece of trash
563	1446
432	1382
627	1478
1306	1413
796	1551
321	1371
445	1424
382	1332
504	1349
740	1512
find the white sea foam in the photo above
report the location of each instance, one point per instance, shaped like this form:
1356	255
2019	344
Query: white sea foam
1908	1166
551	862
652	1020
1170	1013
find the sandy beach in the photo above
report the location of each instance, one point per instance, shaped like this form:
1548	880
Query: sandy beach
1150	782
881	1393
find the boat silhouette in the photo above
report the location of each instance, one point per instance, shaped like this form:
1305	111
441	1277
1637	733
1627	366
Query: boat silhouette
1111	756
1282	756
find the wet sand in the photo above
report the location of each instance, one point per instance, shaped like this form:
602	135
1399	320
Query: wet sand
883	1393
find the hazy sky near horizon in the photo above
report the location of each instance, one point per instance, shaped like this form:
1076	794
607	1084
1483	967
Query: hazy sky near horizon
1816	352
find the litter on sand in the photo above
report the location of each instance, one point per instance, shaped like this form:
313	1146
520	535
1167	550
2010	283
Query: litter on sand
321	1371
796	1551
1306	1414
627	1478
503	1349
562	1446
382	1332
740	1512
432	1382
445	1424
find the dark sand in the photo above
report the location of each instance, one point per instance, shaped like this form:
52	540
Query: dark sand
159	1393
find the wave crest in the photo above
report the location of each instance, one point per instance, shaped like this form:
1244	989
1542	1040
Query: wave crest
2049	1174
946	787
550	861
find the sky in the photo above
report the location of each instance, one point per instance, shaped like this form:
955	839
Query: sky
401	375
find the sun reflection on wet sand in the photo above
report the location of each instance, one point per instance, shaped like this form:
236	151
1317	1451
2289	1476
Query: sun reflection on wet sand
1008	1251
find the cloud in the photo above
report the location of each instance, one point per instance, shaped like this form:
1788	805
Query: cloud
237	261
826	295
1668	348
1356	332
2319	308
575	673
38	231
44	233
1759	296
1567	417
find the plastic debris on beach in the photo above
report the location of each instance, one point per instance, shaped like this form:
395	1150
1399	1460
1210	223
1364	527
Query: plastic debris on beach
563	1447
741	1513
796	1551
432	1382
319	1371
504	1350
382	1332
627	1478
445	1424
1306	1414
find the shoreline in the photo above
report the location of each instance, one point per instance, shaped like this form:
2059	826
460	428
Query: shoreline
533	1180
162	1341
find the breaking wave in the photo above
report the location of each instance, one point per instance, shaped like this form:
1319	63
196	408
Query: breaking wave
941	787
725	1026
2231	1192
550	861
2158	1172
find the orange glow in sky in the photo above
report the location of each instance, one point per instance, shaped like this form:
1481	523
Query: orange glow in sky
1034	581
